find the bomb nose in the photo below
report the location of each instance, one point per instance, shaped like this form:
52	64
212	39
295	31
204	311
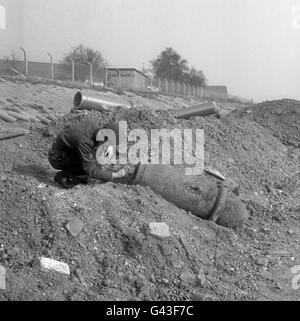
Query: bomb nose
233	213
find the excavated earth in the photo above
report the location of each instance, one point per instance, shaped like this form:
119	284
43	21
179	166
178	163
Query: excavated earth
256	148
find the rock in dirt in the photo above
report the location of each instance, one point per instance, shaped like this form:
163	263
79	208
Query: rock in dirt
42	185
200	279
159	230
49	265
75	226
188	278
185	244
2	278
262	261
79	275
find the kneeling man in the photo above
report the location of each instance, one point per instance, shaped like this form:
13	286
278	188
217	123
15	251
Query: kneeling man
73	153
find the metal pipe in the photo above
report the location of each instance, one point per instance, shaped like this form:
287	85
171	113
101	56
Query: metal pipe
85	102
200	195
25	60
198	110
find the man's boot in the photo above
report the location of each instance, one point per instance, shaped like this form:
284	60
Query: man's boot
63	179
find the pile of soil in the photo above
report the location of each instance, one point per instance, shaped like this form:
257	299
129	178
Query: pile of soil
280	117
246	153
115	258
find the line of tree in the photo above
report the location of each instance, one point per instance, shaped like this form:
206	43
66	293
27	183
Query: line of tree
170	65
85	55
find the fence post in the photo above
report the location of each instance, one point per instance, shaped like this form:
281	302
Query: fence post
73	70
173	88
119	74
51	65
25	60
133	81
106	77
91	73
183	89
159	84
167	86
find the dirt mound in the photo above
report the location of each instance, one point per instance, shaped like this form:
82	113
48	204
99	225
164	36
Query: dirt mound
115	257
280	117
245	152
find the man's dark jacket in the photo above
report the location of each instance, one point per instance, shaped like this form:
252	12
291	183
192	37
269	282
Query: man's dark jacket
78	142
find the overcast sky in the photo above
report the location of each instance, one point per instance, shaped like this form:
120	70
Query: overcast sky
252	46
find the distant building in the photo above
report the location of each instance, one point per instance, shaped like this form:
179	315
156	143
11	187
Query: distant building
215	92
127	79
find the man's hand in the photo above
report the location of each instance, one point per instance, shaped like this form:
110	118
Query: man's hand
105	154
109	153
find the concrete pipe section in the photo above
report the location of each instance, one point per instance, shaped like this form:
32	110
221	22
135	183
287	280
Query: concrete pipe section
201	196
198	110
86	102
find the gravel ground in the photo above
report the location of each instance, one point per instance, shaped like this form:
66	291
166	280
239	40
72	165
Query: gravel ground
114	257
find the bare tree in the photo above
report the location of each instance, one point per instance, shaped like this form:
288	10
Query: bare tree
84	55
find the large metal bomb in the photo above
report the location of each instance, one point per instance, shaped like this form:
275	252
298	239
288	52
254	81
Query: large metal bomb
199	195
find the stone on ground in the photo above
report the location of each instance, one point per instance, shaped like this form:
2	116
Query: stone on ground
159	230
75	226
188	278
49	265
